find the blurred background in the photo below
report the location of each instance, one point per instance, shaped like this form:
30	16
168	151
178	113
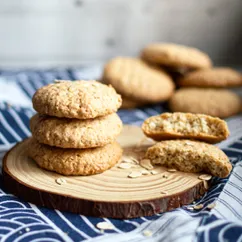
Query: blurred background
48	33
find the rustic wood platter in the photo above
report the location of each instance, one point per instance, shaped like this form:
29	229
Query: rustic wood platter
110	194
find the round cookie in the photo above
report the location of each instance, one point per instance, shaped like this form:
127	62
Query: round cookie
136	80
75	133
214	102
173	55
75	161
215	77
76	99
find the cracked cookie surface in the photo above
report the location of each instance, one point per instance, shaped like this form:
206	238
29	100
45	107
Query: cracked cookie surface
76	99
75	161
75	133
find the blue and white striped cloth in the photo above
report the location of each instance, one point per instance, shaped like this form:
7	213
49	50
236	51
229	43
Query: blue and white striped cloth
21	221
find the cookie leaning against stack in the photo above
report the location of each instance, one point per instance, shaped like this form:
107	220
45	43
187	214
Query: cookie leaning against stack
137	81
180	146
76	126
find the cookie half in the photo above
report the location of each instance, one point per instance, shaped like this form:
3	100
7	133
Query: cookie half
214	102
76	99
75	133
186	126
190	156
138	81
75	161
173	55
215	77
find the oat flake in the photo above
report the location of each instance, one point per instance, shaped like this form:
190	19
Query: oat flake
104	226
60	181
135	174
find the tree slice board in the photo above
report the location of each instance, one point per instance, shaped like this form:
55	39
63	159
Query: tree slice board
110	194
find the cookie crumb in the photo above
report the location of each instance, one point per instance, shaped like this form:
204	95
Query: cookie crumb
124	166
134	174
147	233
146	164
104	226
165	176
205	177
197	207
211	205
171	170
60	181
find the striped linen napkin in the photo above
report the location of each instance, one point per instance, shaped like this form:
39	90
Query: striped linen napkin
21	221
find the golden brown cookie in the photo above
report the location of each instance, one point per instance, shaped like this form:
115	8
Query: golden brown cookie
185	126
75	133
173	55
75	161
76	99
215	77
214	102
136	80
190	156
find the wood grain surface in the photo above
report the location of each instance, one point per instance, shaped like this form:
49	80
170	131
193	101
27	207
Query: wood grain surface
110	194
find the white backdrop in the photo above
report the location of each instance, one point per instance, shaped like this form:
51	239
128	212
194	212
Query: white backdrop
67	32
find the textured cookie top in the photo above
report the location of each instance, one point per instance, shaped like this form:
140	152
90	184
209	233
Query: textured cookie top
75	161
136	80
190	156
216	77
75	133
186	126
174	55
214	102
77	99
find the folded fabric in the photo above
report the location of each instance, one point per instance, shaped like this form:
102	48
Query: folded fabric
28	222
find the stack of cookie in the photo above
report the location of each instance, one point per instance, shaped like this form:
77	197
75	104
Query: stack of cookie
204	91
184	142
201	83
75	128
149	79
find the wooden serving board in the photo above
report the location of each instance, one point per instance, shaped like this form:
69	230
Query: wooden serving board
110	194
